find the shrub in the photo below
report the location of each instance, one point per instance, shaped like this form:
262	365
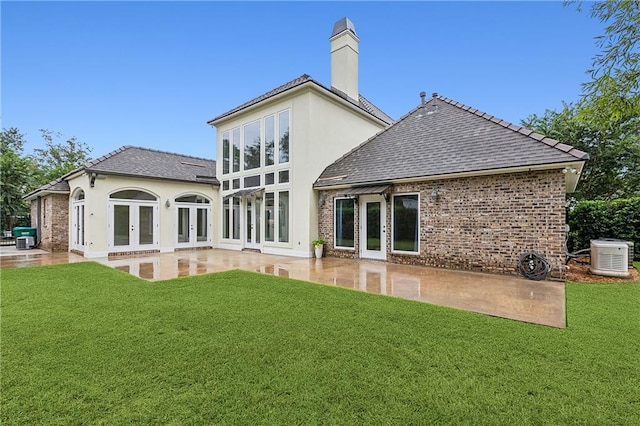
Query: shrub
590	220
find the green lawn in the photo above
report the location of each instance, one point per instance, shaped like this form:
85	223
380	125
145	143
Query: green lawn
86	344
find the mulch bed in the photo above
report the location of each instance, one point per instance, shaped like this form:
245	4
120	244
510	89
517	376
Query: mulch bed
578	272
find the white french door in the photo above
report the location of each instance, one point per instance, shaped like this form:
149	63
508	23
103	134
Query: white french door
77	226
253	223
194	225
133	225
373	227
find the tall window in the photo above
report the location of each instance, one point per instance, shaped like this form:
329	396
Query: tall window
226	220
283	216
252	145
235	139
225	153
269	140
283	137
269	216
236	218
344	223
405	223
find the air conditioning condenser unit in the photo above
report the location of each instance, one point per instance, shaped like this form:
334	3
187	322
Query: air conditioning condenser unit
609	258
25	243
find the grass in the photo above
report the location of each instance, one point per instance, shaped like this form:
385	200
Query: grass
86	344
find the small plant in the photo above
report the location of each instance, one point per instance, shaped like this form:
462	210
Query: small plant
318	242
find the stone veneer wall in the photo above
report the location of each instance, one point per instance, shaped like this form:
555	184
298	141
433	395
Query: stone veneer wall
54	221
479	223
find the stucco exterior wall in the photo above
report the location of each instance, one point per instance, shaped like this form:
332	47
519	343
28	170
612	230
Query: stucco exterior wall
481	223
321	130
97	215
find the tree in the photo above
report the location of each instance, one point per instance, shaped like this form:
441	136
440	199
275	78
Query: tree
613	90
17	174
605	122
59	158
613	170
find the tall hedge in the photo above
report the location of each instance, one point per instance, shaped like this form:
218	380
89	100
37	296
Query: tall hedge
590	220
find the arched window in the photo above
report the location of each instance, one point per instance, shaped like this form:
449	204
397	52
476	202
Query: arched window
79	195
133	194
193	199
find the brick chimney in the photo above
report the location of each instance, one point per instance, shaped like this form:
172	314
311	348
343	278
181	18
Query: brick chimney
344	58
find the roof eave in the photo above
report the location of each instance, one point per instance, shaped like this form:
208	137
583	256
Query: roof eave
571	179
214	182
35	194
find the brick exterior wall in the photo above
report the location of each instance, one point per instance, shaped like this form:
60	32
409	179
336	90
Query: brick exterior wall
54	221
479	223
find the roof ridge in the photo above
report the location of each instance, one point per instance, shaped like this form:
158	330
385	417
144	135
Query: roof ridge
518	129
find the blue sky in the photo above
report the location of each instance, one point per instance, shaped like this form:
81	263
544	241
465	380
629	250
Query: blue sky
152	73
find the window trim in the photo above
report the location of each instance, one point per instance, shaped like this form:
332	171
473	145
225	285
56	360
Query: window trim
335	239
393	229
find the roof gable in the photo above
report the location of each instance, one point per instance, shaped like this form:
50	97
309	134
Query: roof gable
443	137
363	103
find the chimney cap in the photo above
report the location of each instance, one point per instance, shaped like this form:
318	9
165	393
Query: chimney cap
342	25
422	96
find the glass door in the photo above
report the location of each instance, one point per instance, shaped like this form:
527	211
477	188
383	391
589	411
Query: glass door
252	222
373	219
77	226
133	226
193	225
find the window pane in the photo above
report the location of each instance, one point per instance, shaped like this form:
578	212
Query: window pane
236	184
225	153
121	225
373	226
252	145
252	181
183	225
283	216
269	140
202	225
283	137
133	194
405	223
192	199
283	176
345	223
235	139
226	226
225	185
268	179
269	216
145	226
236	218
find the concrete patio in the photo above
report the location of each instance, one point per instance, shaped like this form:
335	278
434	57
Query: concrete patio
540	302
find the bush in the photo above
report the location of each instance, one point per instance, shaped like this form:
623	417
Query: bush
590	220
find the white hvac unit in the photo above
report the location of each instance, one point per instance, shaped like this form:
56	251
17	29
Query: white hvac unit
609	258
25	243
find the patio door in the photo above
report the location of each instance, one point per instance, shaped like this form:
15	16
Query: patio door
193	225
133	226
253	224
373	224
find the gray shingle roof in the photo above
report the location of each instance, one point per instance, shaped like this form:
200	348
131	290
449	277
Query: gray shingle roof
141	162
363	103
149	163
444	137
